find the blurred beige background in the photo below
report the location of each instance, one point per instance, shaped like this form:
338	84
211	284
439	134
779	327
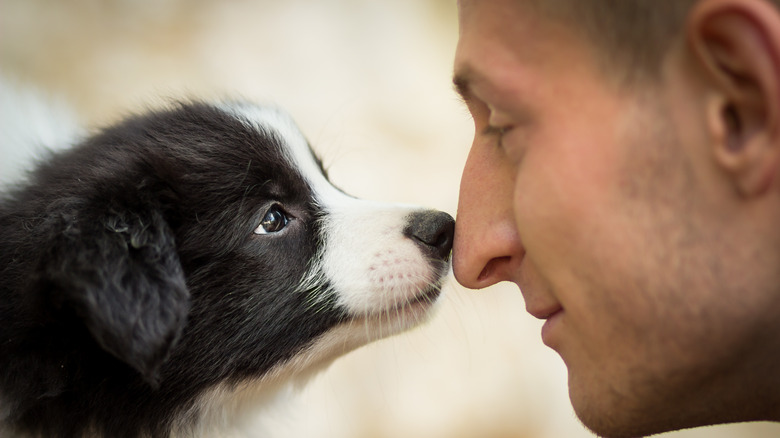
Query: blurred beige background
369	83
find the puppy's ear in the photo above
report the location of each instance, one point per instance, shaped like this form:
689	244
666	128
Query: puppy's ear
119	271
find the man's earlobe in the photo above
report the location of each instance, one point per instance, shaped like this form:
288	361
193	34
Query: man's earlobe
737	45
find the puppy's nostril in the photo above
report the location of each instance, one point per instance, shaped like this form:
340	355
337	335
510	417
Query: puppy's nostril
433	231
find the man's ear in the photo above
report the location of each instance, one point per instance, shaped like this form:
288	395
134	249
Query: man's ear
117	268
737	44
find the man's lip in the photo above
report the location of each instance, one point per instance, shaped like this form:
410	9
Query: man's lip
545	312
549	329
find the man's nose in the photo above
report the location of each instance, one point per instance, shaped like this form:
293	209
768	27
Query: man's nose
487	247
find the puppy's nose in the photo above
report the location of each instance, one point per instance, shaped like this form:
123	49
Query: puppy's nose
433	231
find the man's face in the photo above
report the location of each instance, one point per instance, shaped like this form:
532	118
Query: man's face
595	204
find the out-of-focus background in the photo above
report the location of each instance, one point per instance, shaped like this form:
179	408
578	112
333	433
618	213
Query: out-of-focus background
369	83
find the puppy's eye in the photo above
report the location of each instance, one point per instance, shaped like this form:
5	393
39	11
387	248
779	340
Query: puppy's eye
274	221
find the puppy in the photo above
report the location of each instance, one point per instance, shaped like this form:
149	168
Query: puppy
167	268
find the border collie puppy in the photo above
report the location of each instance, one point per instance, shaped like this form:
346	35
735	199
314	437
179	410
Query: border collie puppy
170	267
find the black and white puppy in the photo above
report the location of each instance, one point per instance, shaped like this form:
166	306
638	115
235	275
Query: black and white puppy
187	258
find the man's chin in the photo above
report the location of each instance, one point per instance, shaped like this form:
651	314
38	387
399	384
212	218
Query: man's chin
613	424
609	413
613	415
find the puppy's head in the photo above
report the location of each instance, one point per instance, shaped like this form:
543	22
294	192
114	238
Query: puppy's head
205	244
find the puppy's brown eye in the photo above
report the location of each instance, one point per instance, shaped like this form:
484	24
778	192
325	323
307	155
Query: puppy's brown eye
274	221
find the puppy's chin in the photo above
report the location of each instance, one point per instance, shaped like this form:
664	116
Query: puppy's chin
393	320
355	331
359	330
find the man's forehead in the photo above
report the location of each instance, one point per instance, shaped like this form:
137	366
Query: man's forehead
496	34
465	5
526	6
477	35
485	43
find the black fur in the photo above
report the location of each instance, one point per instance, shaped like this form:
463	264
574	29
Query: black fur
125	288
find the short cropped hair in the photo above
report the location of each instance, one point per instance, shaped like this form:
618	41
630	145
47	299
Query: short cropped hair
631	35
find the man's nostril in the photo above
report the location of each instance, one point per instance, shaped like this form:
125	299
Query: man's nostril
433	231
490	267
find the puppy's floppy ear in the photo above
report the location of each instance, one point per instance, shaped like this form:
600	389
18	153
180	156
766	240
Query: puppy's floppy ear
118	269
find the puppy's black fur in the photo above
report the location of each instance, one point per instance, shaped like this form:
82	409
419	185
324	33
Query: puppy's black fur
131	281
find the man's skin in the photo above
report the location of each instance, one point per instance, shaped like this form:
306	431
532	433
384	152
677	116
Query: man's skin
642	219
